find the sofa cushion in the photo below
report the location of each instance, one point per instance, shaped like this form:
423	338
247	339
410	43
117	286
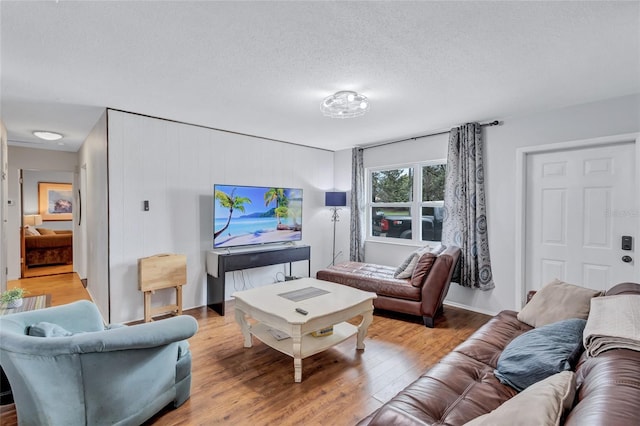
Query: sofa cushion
45	231
544	403
540	353
557	301
30	231
424	265
405	270
48	329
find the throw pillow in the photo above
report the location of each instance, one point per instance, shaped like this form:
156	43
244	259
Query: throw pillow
543	403
45	231
557	301
540	353
424	265
30	231
47	329
406	268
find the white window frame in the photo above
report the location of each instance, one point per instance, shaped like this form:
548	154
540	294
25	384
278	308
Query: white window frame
414	206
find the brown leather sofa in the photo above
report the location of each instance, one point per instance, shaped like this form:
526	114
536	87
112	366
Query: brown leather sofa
462	386
424	298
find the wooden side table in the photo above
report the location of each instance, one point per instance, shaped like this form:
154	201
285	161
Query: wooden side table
159	272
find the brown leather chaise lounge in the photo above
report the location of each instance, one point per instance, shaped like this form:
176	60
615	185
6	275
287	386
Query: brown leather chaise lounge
422	294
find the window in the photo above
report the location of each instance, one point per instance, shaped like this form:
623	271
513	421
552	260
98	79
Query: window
432	201
406	198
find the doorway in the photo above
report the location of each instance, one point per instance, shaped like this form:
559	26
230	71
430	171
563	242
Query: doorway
579	201
47	235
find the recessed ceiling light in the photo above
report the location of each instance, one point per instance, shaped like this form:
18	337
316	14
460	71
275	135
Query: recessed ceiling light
48	136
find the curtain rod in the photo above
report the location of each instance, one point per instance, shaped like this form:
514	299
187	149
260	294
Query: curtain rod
493	123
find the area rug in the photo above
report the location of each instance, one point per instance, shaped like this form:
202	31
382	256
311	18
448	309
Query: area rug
29	304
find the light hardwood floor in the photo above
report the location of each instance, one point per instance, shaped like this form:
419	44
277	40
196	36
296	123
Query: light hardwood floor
63	288
254	386
39	271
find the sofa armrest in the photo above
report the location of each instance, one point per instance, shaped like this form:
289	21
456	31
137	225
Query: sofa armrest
436	286
76	317
624	288
141	336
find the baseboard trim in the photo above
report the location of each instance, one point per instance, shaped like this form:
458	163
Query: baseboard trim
470	308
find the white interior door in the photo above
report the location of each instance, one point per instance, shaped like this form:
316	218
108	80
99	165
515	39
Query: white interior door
579	204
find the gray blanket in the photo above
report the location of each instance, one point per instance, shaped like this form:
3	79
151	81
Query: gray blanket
613	323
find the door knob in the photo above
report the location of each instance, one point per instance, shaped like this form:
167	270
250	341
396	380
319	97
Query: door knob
626	259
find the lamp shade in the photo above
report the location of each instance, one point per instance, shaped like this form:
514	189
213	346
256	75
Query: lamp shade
335	199
32	219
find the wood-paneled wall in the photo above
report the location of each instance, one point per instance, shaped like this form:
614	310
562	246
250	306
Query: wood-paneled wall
174	166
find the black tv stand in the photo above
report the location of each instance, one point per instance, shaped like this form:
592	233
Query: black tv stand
228	262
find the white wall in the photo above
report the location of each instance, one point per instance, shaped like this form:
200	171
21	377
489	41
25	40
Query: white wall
91	239
32	159
175	166
610	117
342	182
4	208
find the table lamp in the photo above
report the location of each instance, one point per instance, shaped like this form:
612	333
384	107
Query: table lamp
32	219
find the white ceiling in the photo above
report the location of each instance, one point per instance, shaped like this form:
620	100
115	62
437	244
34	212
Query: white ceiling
262	68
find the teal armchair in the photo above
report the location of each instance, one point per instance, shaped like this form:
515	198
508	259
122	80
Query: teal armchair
94	375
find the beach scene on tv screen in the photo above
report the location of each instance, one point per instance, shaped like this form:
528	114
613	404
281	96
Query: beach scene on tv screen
247	215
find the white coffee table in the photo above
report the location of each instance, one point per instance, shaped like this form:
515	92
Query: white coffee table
272	311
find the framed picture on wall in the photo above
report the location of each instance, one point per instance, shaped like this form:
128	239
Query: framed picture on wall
55	201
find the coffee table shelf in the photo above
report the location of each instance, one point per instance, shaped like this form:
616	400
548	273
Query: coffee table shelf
310	345
272	306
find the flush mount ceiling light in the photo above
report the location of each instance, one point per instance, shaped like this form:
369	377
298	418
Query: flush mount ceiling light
344	104
48	136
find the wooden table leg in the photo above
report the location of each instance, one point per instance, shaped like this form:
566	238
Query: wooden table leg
179	299
297	354
367	319
244	325
147	306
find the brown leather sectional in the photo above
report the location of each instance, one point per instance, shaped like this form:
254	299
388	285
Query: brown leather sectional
462	386
424	298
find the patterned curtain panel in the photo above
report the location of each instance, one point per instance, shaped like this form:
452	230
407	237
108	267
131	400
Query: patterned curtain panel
465	222
356	250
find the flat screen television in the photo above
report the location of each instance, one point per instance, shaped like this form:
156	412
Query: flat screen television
250	215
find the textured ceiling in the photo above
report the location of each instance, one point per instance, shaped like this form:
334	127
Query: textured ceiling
262	68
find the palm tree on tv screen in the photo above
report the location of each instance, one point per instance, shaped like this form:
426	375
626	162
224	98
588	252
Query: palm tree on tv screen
232	203
295	212
277	195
